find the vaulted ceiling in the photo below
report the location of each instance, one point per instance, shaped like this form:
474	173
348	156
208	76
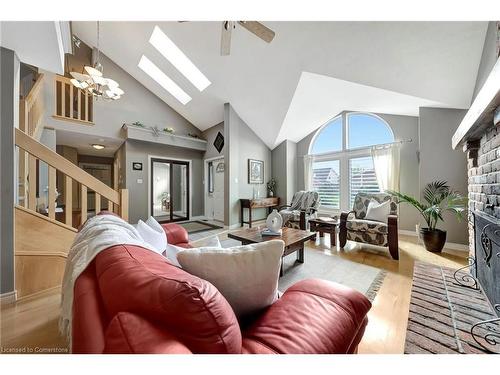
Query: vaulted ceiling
310	71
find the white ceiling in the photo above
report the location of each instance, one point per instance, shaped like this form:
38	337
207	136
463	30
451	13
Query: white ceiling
83	143
319	98
41	44
387	67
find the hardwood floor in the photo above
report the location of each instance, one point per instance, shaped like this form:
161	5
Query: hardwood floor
31	324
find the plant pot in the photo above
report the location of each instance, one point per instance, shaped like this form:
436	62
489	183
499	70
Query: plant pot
434	239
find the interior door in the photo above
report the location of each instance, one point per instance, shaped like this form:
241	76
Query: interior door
169	190
218	197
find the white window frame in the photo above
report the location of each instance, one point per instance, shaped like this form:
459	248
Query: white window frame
343	156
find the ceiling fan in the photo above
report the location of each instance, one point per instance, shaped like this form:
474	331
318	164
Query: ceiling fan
256	28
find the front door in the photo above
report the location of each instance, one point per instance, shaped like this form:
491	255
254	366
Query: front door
169	190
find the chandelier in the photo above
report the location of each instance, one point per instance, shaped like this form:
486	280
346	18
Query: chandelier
92	82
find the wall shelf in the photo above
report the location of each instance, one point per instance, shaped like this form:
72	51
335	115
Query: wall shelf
146	134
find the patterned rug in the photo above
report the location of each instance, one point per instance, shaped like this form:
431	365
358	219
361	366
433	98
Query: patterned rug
317	265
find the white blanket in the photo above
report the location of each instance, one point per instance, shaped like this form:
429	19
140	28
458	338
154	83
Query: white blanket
99	233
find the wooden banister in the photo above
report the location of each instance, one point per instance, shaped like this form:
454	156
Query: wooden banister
62	164
33	94
31	109
74	105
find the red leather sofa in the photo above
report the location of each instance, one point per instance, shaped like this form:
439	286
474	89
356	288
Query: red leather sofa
131	300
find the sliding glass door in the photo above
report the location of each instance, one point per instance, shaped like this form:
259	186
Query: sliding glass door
169	190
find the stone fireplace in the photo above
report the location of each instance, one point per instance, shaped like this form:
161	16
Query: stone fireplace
483	157
487	255
479	135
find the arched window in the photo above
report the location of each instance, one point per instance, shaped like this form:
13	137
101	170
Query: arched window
365	129
340	153
328	138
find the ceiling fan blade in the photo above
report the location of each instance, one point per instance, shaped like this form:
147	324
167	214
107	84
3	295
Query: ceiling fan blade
225	40
263	32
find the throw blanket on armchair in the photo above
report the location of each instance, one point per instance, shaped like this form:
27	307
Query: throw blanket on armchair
98	233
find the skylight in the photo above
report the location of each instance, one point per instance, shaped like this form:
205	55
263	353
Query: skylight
178	59
163	80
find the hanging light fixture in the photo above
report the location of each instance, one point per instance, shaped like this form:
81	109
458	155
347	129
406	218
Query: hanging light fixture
92	81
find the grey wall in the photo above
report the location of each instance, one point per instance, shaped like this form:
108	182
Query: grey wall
138	104
284	165
9	116
291	167
138	151
279	169
209	135
403	127
489	56
242	144
438	161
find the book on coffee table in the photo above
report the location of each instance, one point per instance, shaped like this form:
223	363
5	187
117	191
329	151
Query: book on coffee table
269	232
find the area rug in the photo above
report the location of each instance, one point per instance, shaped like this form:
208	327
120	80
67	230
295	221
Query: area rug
198	226
317	265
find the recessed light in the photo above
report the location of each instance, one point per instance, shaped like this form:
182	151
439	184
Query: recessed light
98	146
178	59
163	80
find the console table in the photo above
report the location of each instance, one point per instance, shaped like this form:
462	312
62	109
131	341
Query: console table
268	203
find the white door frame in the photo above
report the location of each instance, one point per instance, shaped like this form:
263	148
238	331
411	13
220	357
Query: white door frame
205	179
190	181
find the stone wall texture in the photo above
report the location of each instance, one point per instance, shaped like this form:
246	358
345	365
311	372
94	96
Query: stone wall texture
483	163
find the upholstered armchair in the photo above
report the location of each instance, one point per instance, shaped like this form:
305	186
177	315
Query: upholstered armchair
354	227
304	206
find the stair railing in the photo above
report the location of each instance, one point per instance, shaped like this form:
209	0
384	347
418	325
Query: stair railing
117	200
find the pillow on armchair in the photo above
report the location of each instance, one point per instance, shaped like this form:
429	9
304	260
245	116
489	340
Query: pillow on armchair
378	211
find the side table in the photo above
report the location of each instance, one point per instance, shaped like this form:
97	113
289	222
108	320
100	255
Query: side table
325	226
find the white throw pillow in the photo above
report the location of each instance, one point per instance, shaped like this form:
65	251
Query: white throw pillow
172	250
151	236
151	221
171	254
378	211
247	276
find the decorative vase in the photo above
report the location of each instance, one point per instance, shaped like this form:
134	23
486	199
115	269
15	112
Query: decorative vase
274	221
271	194
434	240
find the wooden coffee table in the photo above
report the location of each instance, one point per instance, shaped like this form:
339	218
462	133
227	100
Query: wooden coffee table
294	240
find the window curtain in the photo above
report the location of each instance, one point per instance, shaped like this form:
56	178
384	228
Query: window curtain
386	162
308	167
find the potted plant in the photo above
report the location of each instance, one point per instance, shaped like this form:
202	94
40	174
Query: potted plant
438	198
271	187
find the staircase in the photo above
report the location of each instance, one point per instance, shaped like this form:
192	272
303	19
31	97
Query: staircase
41	241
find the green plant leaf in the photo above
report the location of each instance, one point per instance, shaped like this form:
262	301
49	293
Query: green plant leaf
438	198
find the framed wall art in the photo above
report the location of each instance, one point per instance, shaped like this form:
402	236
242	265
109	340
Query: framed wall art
255	171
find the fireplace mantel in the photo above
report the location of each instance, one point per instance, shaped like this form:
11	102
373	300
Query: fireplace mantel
481	112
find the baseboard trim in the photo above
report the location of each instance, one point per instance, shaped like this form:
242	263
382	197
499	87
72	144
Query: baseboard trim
448	245
40	293
9	297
